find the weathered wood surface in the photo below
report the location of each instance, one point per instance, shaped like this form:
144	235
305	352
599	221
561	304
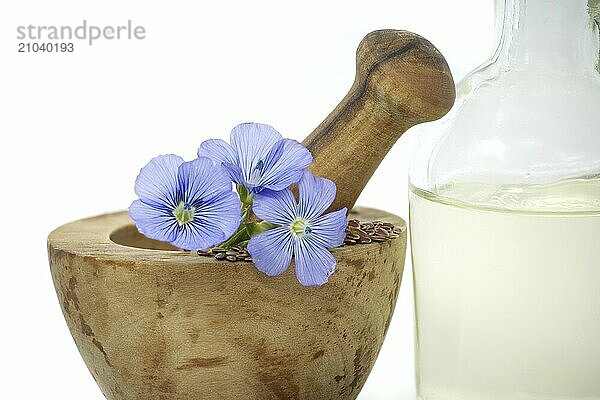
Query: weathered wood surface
401	80
170	325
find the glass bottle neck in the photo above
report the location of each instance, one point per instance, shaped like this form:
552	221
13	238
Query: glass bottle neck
546	34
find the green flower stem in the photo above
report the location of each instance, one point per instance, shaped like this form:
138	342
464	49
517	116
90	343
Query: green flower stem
238	237
245	196
249	227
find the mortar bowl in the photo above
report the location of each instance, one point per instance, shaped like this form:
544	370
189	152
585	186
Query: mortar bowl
156	323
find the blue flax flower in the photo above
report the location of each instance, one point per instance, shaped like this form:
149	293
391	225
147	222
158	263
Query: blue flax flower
188	204
258	157
302	231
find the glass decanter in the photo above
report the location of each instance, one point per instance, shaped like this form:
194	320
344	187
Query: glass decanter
505	218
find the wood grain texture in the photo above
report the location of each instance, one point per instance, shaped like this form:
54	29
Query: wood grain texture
169	325
401	80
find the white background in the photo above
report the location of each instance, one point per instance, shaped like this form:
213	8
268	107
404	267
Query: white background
76	128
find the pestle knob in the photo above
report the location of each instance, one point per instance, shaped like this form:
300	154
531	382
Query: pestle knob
401	81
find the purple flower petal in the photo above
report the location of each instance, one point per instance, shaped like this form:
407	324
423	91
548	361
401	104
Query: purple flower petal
271	250
222	212
157	182
258	157
286	166
217	209
252	142
275	207
329	230
235	172
274	154
219	151
155	223
316	195
197	236
188	204
314	263
215	220
200	180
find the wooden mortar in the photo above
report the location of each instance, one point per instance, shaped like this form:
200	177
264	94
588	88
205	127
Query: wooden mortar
167	324
156	323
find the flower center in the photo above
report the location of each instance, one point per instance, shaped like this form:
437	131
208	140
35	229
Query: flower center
184	213
260	165
300	227
256	172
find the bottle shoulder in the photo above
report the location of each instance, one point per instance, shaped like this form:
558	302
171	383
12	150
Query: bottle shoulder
520	126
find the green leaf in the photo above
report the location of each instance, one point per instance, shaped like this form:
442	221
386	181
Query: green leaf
254	228
239	236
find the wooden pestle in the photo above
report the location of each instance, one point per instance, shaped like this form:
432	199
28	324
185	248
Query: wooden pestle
402	80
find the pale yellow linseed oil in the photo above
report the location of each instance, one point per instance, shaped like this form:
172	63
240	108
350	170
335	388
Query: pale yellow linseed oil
507	292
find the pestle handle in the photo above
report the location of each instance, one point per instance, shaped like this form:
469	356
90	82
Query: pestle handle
402	80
